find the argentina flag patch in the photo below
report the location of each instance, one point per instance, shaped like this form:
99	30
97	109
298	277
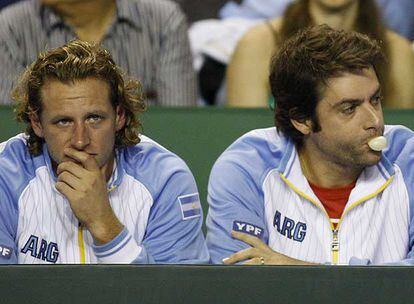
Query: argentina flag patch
190	206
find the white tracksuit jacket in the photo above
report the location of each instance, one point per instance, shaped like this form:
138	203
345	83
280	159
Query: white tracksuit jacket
152	192
257	187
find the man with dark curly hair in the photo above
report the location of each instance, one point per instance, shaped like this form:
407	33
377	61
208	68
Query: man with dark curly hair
322	186
81	185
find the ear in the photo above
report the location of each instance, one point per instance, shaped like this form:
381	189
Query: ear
36	124
120	118
303	126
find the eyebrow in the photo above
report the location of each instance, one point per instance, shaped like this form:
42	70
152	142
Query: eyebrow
97	112
355	100
59	117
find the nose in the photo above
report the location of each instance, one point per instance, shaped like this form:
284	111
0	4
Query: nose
80	137
372	118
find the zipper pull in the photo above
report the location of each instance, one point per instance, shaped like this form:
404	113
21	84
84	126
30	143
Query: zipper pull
335	240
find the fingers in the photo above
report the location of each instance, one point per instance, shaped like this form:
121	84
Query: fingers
249	239
65	189
87	160
242	255
71	180
73	168
259	253
254	261
252	254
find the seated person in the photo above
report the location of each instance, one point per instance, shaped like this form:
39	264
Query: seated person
81	185
317	188
397	14
248	71
147	38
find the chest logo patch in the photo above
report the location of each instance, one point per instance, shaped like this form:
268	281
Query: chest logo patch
41	249
289	228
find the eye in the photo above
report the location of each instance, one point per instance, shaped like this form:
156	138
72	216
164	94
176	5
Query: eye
376	100
63	122
94	118
349	109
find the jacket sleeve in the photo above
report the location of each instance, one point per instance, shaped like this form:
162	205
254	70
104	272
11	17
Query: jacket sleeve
401	152
235	203
173	233
8	226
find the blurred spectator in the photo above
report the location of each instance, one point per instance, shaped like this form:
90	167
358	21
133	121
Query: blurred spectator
247	75
398	15
212	43
147	38
254	9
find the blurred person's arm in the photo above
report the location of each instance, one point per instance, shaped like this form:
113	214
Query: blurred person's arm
247	77
175	76
401	60
18	33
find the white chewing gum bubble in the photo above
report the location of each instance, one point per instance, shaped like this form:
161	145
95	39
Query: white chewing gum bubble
378	143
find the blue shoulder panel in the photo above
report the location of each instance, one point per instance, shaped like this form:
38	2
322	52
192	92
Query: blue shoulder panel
17	168
400	151
173	233
235	194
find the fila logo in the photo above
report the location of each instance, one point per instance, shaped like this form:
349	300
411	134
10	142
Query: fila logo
41	249
289	228
248	228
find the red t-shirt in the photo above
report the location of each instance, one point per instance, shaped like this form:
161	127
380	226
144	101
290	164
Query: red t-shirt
333	199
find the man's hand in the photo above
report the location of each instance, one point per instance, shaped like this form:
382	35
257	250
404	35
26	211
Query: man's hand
259	253
84	185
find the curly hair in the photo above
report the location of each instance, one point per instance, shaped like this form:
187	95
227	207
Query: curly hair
304	63
73	61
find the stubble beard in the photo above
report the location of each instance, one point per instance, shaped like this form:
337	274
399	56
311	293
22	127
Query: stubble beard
356	159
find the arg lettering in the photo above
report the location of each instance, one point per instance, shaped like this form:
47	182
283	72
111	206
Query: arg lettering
41	249
289	228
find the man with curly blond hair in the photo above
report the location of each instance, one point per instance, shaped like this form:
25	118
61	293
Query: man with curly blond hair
82	185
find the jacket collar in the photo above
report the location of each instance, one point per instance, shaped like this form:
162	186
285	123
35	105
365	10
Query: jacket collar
371	180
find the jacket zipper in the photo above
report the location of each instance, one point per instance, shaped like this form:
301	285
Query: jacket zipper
335	230
335	246
81	244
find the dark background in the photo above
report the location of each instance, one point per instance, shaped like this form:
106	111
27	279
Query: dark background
202	9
